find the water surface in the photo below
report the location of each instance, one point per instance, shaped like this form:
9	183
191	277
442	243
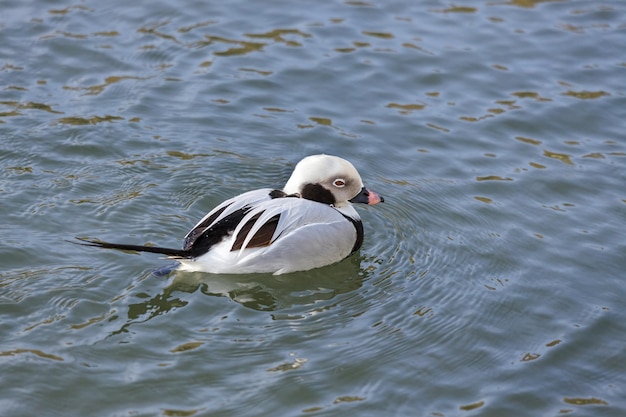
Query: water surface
490	282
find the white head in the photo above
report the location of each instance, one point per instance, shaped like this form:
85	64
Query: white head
330	180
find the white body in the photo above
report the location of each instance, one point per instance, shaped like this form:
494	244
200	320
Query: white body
309	234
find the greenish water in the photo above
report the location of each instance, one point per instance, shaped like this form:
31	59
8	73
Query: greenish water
490	283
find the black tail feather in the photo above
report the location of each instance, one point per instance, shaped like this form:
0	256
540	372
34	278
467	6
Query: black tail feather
176	253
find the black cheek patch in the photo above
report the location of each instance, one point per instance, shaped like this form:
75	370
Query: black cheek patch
316	192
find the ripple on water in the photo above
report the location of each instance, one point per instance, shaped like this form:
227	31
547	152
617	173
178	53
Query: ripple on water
448	248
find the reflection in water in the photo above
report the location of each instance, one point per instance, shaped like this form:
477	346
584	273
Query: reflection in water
528	3
279	35
108	81
262	292
16	106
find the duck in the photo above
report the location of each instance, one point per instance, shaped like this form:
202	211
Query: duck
309	223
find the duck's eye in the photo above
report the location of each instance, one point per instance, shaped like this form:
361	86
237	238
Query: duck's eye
339	182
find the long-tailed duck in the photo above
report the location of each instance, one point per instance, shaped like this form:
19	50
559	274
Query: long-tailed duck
308	224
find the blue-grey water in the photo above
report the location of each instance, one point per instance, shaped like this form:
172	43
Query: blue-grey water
491	281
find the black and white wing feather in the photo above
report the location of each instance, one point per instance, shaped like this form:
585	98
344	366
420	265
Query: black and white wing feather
279	235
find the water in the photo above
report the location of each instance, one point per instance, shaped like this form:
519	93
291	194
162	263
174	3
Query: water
489	283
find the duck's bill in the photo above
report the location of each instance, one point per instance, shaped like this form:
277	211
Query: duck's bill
367	197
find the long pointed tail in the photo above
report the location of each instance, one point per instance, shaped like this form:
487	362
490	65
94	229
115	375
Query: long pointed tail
175	253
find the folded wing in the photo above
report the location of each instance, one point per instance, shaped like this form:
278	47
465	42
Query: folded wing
271	235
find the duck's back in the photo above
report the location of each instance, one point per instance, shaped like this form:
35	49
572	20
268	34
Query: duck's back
276	235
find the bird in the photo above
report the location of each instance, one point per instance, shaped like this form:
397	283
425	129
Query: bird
307	224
